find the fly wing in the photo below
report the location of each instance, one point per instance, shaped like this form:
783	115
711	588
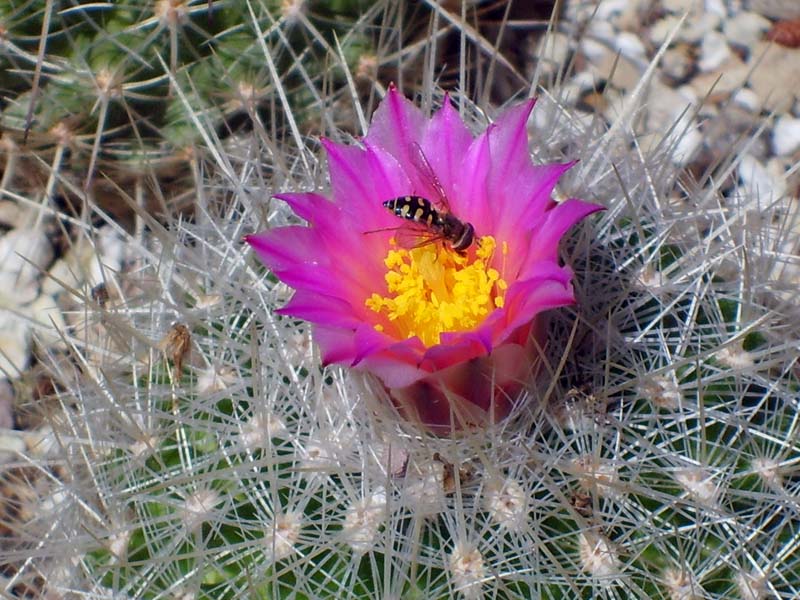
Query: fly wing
410	235
413	235
423	167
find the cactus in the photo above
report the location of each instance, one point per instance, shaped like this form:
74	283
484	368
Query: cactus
200	450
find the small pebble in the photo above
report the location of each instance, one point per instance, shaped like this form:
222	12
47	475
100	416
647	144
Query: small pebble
608	9
662	29
46	312
786	136
552	51
775	75
776	9
745	29
688	140
24	254
6	407
630	46
15	342
761	185
678	6
10	213
697	26
716	7
11	447
714	51
747	99
677	63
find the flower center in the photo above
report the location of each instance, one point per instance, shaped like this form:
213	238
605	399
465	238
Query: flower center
433	289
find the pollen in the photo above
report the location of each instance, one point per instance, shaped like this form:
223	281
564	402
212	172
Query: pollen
433	290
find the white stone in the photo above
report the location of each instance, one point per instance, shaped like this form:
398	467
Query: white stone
716	7
584	81
775	75
11	446
48	321
629	45
662	29
745	29
677	64
747	99
111	247
697	26
688	94
602	30
10	213
607	9
760	185
88	263
15	341
776	9
63	275
24	254
678	6
786	135
688	142
714	51
552	51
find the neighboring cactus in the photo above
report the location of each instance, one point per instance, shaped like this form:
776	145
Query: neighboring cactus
201	451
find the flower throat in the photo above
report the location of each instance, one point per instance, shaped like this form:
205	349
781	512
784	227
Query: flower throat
433	289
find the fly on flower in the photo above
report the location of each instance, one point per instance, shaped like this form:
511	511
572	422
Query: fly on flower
436	221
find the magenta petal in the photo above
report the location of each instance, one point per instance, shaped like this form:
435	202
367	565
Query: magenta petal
321	308
445	143
525	198
545	238
300	258
471	189
291	254
395	125
393	177
549	289
457	347
509	142
306	205
336	345
397	366
351	180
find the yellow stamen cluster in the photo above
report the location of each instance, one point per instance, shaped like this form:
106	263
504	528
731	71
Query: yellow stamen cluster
433	289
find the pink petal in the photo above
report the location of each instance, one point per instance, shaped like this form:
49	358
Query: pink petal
526	299
322	309
397	123
456	347
397	365
509	141
445	143
351	180
306	205
545	238
472	193
361	180
300	257
524	198
336	344
291	254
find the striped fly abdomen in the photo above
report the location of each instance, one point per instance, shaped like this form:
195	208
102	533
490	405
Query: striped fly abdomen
416	209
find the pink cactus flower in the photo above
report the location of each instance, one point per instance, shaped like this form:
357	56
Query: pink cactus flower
451	327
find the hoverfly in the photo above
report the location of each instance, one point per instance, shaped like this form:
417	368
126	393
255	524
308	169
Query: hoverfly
433	218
